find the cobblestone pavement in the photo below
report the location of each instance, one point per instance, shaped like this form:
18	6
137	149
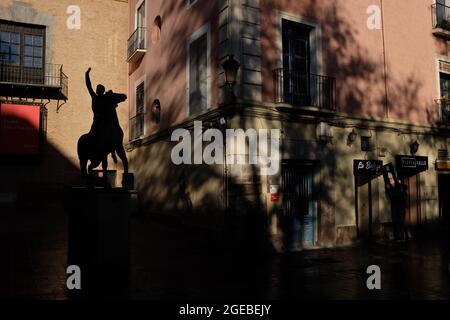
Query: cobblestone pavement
195	270
169	263
33	249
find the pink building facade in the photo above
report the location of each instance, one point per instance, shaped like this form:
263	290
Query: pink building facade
345	82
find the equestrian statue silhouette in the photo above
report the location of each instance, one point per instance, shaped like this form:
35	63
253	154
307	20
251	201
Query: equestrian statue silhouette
106	135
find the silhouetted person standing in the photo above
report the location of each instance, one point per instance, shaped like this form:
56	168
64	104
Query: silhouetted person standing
399	197
393	192
403	199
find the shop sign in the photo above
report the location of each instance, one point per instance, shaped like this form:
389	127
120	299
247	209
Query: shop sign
19	129
367	167
411	163
442	165
274	193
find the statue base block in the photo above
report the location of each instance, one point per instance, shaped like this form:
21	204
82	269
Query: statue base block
128	181
99	220
100	178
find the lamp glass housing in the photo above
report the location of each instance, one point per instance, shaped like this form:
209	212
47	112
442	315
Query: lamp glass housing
231	67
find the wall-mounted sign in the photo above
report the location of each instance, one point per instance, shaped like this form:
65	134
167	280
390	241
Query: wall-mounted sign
389	175
19	129
274	193
443	165
411	164
367	167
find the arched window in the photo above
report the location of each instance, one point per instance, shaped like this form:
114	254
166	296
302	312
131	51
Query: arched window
156	29
156	110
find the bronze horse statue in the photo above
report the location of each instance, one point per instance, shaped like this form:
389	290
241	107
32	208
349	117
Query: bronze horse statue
106	135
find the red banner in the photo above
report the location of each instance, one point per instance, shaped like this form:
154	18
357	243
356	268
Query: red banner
19	129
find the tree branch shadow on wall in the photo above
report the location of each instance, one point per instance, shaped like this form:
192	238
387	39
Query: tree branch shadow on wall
360	88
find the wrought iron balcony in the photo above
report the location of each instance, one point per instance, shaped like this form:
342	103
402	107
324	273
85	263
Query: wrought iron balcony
441	19
49	82
304	90
137	44
137	126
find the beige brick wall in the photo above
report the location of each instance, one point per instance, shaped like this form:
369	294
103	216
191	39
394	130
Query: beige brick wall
100	43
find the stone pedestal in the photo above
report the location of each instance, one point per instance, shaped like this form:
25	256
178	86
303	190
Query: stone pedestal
104	179
128	181
99	235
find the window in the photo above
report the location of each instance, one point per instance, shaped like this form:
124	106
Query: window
22	45
137	122
140	89
10	48
141	25
140	15
156	30
33	51
198	55
443	10
296	62
367	144
156	110
445	85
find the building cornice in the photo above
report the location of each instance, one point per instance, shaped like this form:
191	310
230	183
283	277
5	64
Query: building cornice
284	112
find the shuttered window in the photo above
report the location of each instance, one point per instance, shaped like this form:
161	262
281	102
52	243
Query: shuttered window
198	75
140	98
137	122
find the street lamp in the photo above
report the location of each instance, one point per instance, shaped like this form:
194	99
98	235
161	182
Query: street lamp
414	147
231	67
352	137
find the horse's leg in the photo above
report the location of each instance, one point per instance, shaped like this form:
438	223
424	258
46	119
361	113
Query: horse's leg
105	164
123	156
83	165
94	164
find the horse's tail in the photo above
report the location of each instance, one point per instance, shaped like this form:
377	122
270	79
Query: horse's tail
83	146
83	153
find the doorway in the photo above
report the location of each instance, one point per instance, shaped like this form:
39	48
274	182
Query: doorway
444	201
414	208
367	192
299	205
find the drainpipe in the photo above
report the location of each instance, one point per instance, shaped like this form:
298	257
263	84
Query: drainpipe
223	128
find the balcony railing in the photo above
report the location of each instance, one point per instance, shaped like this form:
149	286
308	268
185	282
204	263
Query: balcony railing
441	16
137	126
137	44
51	77
305	90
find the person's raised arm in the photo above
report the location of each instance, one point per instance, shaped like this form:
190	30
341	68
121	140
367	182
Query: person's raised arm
89	84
